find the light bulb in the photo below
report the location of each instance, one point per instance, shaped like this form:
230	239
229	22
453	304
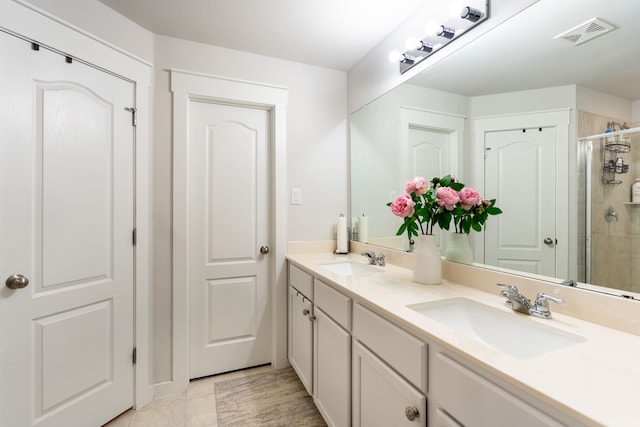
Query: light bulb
412	43
395	56
455	9
432	28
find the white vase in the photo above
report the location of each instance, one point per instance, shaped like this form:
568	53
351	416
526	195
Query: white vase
427	268
458	249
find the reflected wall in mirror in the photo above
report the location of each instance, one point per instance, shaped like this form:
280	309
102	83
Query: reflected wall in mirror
507	80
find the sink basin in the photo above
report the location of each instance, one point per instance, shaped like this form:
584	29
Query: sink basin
348	268
512	333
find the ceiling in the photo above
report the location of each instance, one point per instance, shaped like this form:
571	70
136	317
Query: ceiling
328	33
522	53
517	55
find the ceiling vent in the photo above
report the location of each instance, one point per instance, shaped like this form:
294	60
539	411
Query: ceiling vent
591	29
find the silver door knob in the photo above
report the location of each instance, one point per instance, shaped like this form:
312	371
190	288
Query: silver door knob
264	250
16	281
411	412
548	241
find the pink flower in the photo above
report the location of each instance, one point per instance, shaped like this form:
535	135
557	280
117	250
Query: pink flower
447	197
417	185
403	206
469	198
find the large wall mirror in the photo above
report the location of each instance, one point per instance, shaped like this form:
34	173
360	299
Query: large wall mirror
520	84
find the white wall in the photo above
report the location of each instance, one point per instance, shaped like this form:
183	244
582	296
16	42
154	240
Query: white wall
103	23
603	104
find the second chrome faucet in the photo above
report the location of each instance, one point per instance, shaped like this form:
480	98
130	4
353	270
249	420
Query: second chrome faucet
518	302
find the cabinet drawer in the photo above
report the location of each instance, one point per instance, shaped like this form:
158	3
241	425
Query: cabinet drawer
332	302
301	280
475	401
402	351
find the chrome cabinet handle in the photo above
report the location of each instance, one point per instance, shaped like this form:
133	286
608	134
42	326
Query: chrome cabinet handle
264	250
305	312
411	412
548	241
16	281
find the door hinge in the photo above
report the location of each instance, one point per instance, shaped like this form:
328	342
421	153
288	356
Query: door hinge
134	115
134	355
134	236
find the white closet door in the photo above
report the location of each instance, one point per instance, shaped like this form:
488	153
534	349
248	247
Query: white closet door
230	320
66	221
520	172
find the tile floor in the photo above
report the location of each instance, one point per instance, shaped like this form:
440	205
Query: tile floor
194	408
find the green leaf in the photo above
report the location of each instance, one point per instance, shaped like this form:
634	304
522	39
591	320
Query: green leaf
493	210
457	186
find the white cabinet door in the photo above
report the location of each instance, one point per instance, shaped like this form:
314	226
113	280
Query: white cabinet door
301	337
381	397
332	370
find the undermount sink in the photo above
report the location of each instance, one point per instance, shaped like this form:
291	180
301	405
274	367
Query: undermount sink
513	333
349	268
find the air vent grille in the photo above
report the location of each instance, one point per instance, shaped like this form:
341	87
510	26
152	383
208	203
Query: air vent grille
589	30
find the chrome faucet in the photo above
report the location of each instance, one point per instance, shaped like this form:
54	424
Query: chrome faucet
373	259
518	302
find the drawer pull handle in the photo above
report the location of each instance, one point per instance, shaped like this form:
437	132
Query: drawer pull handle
411	412
305	312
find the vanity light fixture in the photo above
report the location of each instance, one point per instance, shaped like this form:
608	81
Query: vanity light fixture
403	58
446	32
471	14
459	19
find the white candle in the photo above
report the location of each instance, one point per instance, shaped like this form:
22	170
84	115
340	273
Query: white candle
363	229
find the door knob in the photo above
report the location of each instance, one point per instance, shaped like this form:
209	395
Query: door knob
548	241
411	412
264	250
16	281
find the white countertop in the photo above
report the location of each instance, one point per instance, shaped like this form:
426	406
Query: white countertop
597	381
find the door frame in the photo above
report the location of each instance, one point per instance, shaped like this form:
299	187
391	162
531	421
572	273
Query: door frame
187	86
560	120
30	23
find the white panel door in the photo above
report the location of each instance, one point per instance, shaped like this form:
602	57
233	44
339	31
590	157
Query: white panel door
66	223
428	155
520	171
230	326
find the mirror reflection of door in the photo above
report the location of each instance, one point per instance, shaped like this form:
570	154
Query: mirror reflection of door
430	148
520	172
428	156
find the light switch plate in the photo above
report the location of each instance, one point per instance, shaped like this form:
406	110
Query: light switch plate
296	196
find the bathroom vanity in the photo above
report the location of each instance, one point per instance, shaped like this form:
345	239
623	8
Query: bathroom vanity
374	348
